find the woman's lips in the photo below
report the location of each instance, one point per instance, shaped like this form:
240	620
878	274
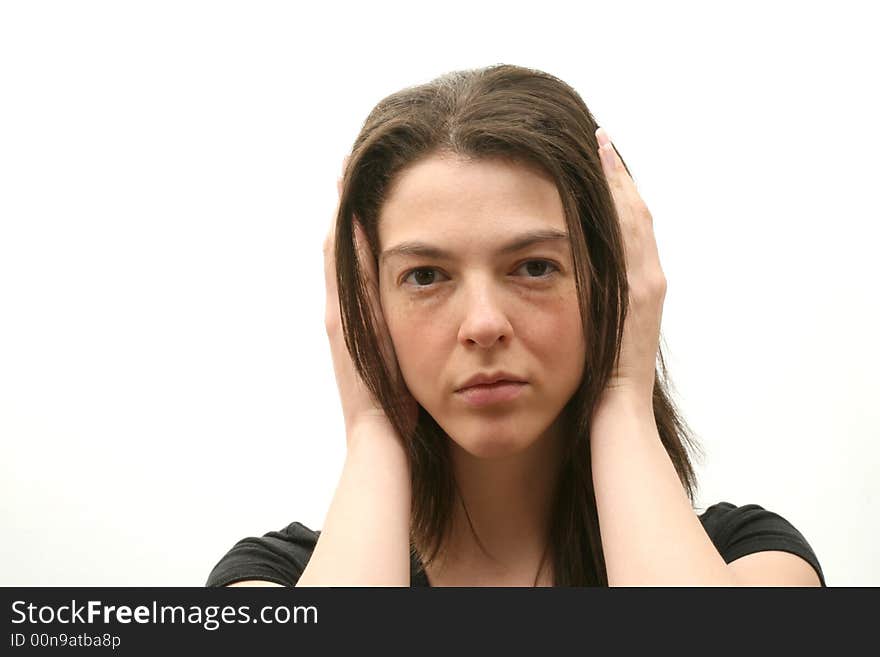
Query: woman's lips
492	393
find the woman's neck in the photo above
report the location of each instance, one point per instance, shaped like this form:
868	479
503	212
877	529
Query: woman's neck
509	502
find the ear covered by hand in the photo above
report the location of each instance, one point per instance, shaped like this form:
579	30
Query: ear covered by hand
358	404
635	369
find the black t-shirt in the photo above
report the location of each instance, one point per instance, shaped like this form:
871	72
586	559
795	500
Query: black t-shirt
281	556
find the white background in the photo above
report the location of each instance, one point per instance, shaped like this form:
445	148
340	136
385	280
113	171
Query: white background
167	176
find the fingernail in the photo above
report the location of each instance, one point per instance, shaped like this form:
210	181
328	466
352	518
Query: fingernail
606	151
602	137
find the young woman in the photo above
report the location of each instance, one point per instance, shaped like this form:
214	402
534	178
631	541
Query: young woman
494	300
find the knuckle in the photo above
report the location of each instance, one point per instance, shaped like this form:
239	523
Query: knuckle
649	289
660	284
657	284
642	211
332	324
640	294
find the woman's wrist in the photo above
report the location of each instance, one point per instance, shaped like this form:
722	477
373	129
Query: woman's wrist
374	432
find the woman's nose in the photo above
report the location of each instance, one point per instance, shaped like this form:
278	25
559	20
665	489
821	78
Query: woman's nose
485	321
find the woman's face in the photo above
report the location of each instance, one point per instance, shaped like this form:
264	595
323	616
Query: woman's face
472	294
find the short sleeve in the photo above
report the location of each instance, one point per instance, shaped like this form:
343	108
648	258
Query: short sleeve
279	557
740	530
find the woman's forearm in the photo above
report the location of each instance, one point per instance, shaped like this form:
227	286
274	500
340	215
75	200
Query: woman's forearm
650	533
365	537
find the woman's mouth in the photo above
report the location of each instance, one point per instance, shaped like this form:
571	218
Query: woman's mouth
492	393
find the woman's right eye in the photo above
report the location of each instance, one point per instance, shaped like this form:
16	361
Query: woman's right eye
421	276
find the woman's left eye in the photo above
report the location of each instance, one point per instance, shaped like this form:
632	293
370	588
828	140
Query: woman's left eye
538	268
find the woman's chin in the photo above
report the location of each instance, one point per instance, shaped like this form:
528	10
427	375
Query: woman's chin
489	445
496	436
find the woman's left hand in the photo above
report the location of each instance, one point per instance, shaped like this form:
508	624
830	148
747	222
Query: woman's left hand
634	371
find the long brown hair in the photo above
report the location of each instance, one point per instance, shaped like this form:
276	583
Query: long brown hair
532	117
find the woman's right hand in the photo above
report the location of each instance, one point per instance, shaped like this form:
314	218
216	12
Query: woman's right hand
358	404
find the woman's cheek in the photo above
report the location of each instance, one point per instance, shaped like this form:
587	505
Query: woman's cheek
557	335
414	333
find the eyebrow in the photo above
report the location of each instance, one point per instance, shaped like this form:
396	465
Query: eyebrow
421	249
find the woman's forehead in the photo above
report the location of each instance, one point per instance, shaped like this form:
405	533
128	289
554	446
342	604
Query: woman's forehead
449	197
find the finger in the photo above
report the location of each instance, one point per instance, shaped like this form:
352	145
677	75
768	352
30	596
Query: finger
331	303
612	167
330	244
342	175
635	218
330	259
623	187
611	163
365	256
330	240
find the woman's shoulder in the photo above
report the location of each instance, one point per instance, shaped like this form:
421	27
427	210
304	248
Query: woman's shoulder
277	556
740	530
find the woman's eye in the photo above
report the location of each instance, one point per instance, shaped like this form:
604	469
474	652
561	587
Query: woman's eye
422	277
538	268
